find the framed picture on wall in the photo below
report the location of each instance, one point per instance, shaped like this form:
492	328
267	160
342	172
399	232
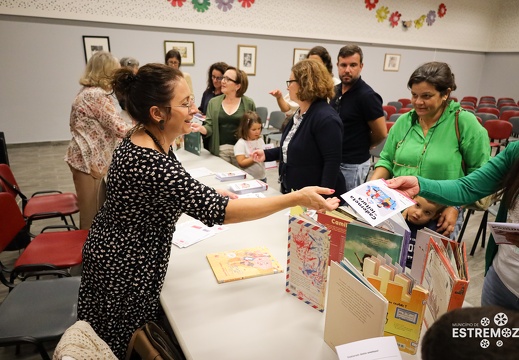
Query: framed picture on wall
247	59
392	62
300	54
93	44
185	48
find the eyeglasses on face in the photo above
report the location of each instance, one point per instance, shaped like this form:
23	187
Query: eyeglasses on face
290	81
218	78
187	104
226	78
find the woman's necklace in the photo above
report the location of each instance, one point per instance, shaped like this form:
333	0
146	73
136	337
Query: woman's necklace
155	140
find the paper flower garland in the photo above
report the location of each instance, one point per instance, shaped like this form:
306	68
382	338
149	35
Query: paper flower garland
203	5
383	13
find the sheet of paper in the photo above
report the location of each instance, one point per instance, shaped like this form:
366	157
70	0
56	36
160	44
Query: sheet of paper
199	172
375	202
503	230
191	232
383	347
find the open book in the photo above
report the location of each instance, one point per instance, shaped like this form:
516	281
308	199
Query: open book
242	264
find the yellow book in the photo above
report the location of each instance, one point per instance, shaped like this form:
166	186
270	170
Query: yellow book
243	264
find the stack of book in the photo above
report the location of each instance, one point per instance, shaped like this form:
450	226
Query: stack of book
231	175
246	187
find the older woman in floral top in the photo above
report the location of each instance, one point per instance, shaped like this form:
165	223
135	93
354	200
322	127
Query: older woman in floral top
97	128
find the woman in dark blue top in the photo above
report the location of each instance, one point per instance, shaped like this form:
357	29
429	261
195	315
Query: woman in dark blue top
311	145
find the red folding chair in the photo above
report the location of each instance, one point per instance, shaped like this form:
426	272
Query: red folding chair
45	204
404	110
489	110
389	109
498	131
47	253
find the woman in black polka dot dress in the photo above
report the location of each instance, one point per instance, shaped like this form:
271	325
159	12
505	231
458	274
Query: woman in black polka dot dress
126	254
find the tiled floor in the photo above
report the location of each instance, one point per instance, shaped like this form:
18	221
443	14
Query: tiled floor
39	167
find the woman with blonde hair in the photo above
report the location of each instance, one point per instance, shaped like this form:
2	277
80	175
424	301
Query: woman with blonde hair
97	128
310	150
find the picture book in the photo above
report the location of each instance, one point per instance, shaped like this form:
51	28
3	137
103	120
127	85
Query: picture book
364	241
445	276
307	260
503	230
355	309
336	223
231	175
193	142
243	264
249	186
381	300
420	251
406	302
375	202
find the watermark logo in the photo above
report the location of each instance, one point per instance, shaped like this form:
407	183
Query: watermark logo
490	331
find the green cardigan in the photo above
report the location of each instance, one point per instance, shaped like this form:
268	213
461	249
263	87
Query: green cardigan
482	182
211	120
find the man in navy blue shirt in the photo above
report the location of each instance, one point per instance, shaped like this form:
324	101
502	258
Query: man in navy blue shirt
360	109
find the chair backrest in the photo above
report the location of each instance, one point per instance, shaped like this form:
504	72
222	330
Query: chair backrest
276	119
468	107
506	115
263	113
489	110
404	110
487	105
393	118
11	219
514	120
4	158
396	104
479	119
505	99
472	99
468	103
486	116
488	98
503	109
389	125
498	129
405	102
7	181
389	109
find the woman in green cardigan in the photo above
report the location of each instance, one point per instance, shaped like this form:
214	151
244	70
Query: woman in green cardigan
500	175
224	113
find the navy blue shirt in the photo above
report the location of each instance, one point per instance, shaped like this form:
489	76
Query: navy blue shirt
357	107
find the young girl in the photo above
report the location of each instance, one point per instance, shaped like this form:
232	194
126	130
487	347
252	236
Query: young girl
249	134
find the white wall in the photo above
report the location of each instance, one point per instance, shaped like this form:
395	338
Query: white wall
41	59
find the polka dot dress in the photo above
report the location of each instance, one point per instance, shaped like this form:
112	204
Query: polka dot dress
127	251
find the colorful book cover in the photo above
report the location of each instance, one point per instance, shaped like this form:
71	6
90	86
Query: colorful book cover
243	264
193	143
446	288
307	260
375	202
250	186
365	241
231	175
337	223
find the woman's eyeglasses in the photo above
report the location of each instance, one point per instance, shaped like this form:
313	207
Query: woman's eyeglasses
290	81
187	104
218	78
226	78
